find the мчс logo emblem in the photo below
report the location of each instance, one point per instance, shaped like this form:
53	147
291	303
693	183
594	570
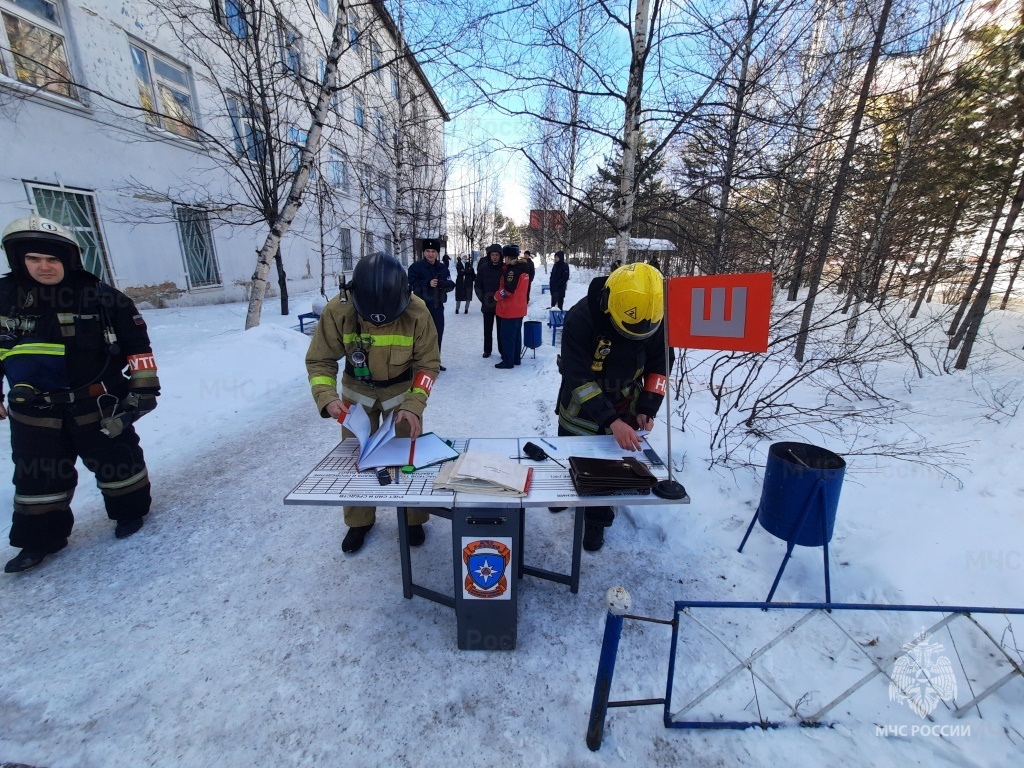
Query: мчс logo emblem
484	564
921	678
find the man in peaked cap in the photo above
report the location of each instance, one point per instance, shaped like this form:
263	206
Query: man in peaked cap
431	280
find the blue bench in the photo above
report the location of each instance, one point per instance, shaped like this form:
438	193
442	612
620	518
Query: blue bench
544	288
311	316
556	317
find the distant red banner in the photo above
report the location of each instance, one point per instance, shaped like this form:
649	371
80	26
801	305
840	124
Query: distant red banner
726	312
542	219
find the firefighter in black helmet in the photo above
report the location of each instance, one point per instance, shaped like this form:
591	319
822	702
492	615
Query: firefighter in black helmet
80	367
389	342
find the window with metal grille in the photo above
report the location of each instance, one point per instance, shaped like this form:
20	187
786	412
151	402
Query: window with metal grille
165	92
197	246
76	211
32	47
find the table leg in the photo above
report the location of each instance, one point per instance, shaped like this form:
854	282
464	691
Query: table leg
403	552
522	538
577	549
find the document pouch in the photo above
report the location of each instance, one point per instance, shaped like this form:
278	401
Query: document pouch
600	477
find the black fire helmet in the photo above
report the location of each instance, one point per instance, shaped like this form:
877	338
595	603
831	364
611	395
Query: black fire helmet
379	289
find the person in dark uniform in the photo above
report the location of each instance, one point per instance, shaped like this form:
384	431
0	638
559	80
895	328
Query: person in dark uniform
430	279
559	279
613	368
531	271
489	273
77	357
465	276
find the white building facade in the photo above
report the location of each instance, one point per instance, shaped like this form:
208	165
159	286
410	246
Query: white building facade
166	136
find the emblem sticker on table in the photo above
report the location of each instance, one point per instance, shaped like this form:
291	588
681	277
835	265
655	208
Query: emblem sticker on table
484	566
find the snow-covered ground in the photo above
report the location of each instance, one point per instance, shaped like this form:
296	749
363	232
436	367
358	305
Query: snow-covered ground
232	631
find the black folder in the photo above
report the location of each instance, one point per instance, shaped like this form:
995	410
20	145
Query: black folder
600	477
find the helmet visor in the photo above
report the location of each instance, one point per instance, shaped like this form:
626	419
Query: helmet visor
639	330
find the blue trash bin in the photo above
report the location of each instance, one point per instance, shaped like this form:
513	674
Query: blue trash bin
791	484
531	336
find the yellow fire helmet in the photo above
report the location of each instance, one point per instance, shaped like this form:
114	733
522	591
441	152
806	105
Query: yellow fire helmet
634	297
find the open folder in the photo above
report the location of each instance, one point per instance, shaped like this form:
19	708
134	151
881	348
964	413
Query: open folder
384	449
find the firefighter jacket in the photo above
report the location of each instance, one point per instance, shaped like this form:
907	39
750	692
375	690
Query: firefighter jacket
422	272
66	344
402	357
516	287
606	376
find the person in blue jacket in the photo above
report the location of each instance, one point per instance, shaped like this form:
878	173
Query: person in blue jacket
430	279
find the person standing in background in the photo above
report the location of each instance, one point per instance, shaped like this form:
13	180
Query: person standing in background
531	271
559	279
488	279
511	307
464	283
430	279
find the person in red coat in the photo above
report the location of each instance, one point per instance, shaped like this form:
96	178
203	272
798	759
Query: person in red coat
511	299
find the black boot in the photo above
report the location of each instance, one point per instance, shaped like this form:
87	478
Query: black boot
354	538
593	536
417	535
127	527
30	558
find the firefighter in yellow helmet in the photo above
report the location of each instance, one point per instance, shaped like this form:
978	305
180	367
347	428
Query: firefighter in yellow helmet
613	367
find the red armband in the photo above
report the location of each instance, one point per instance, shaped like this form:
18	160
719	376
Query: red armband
424	381
145	362
655	382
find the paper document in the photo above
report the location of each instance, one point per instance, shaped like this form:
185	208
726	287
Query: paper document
485	473
384	449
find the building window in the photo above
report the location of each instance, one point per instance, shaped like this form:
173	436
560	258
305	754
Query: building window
337	169
197	246
248	129
32	46
233	16
77	212
353	32
375	59
368	242
165	92
394	84
291	49
325	7
359	107
379	126
296	143
385	190
345	247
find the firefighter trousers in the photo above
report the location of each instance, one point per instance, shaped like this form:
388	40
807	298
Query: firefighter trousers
46	444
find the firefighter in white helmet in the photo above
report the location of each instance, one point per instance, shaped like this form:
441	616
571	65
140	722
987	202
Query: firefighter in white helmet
79	369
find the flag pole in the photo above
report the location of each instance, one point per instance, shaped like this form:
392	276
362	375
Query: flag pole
668	489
